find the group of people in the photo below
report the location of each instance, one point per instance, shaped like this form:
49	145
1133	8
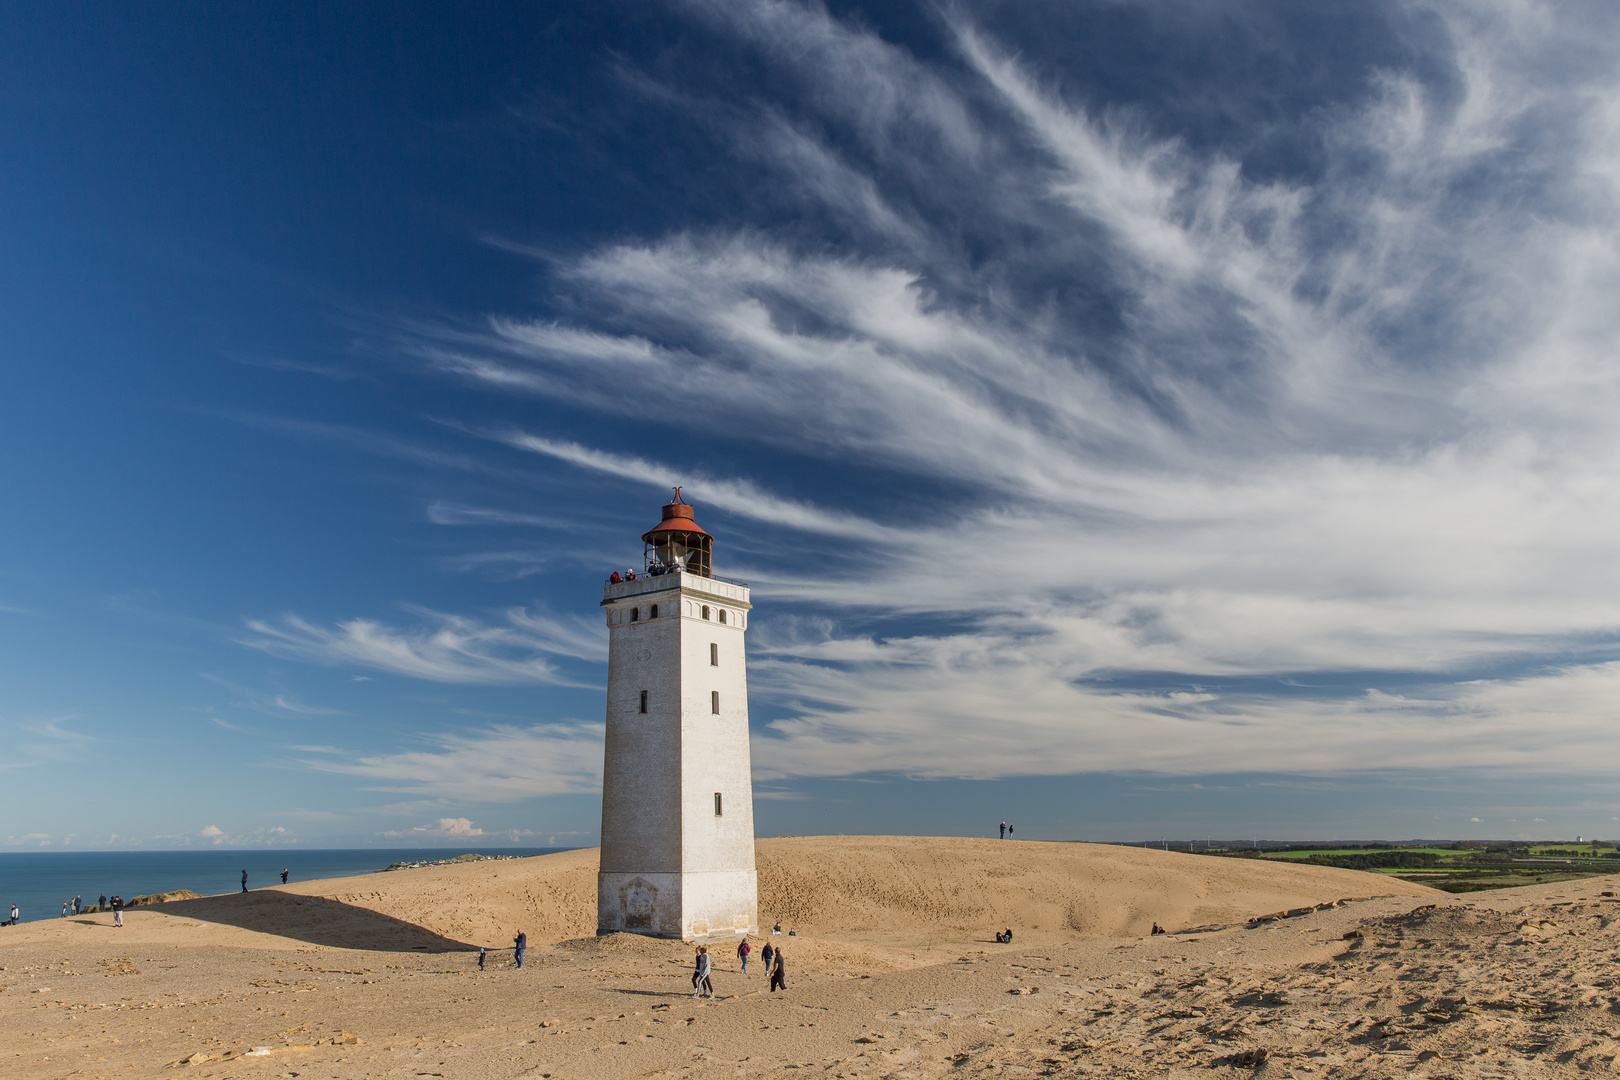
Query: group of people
702	974
775	967
76	907
1006	830
654	569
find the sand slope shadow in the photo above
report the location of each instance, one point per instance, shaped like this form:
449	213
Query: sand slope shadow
317	920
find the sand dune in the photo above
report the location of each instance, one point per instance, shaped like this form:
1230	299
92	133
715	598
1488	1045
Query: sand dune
906	884
868	889
892	973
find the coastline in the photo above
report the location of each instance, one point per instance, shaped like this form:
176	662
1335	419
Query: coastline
39	881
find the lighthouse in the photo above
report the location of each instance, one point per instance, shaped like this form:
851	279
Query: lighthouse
677	787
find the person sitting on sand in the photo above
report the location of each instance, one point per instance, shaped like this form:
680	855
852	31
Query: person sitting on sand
778	973
1005	937
777	929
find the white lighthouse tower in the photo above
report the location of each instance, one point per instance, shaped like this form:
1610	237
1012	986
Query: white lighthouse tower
677	787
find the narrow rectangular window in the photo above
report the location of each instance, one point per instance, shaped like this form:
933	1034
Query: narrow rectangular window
714	654
635	614
644	701
654	613
714	702
705	611
717	804
722	614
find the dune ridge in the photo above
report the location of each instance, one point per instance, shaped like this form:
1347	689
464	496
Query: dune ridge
893	973
866	889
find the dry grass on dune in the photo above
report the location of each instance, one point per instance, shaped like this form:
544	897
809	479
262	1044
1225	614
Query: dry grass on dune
867	886
899	884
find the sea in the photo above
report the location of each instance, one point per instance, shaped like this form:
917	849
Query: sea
39	881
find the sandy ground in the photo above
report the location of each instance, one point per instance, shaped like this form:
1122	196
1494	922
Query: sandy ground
892	973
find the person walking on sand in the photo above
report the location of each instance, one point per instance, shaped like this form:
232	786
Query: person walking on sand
13	914
118	910
765	955
778	973
480	958
701	985
743	950
520	945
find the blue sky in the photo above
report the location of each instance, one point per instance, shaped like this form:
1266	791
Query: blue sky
1135	420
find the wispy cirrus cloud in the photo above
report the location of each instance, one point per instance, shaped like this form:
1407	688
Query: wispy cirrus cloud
502	763
1098	401
1341	417
440	647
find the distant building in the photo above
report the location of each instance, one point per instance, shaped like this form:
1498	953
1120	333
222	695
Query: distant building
677	783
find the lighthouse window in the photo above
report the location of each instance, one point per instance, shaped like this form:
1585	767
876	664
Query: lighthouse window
722	614
654	612
705	611
644	701
635	614
714	655
714	702
717	804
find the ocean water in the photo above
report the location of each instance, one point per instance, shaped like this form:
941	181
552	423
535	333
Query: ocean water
38	881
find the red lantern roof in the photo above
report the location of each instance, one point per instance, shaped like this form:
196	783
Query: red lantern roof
677	519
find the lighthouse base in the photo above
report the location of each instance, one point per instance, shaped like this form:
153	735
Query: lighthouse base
695	906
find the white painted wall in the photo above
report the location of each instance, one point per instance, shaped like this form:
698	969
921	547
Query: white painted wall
670	865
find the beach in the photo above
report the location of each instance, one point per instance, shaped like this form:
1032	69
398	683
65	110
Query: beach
892	971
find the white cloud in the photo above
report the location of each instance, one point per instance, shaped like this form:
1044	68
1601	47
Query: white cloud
505	763
1360	419
445	828
440	647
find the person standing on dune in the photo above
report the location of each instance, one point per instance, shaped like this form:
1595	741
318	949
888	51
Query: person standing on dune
778	973
480	958
701	984
244	881
284	875
520	945
1004	830
743	949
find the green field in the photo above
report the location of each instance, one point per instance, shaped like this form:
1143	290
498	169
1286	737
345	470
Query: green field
1467	866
